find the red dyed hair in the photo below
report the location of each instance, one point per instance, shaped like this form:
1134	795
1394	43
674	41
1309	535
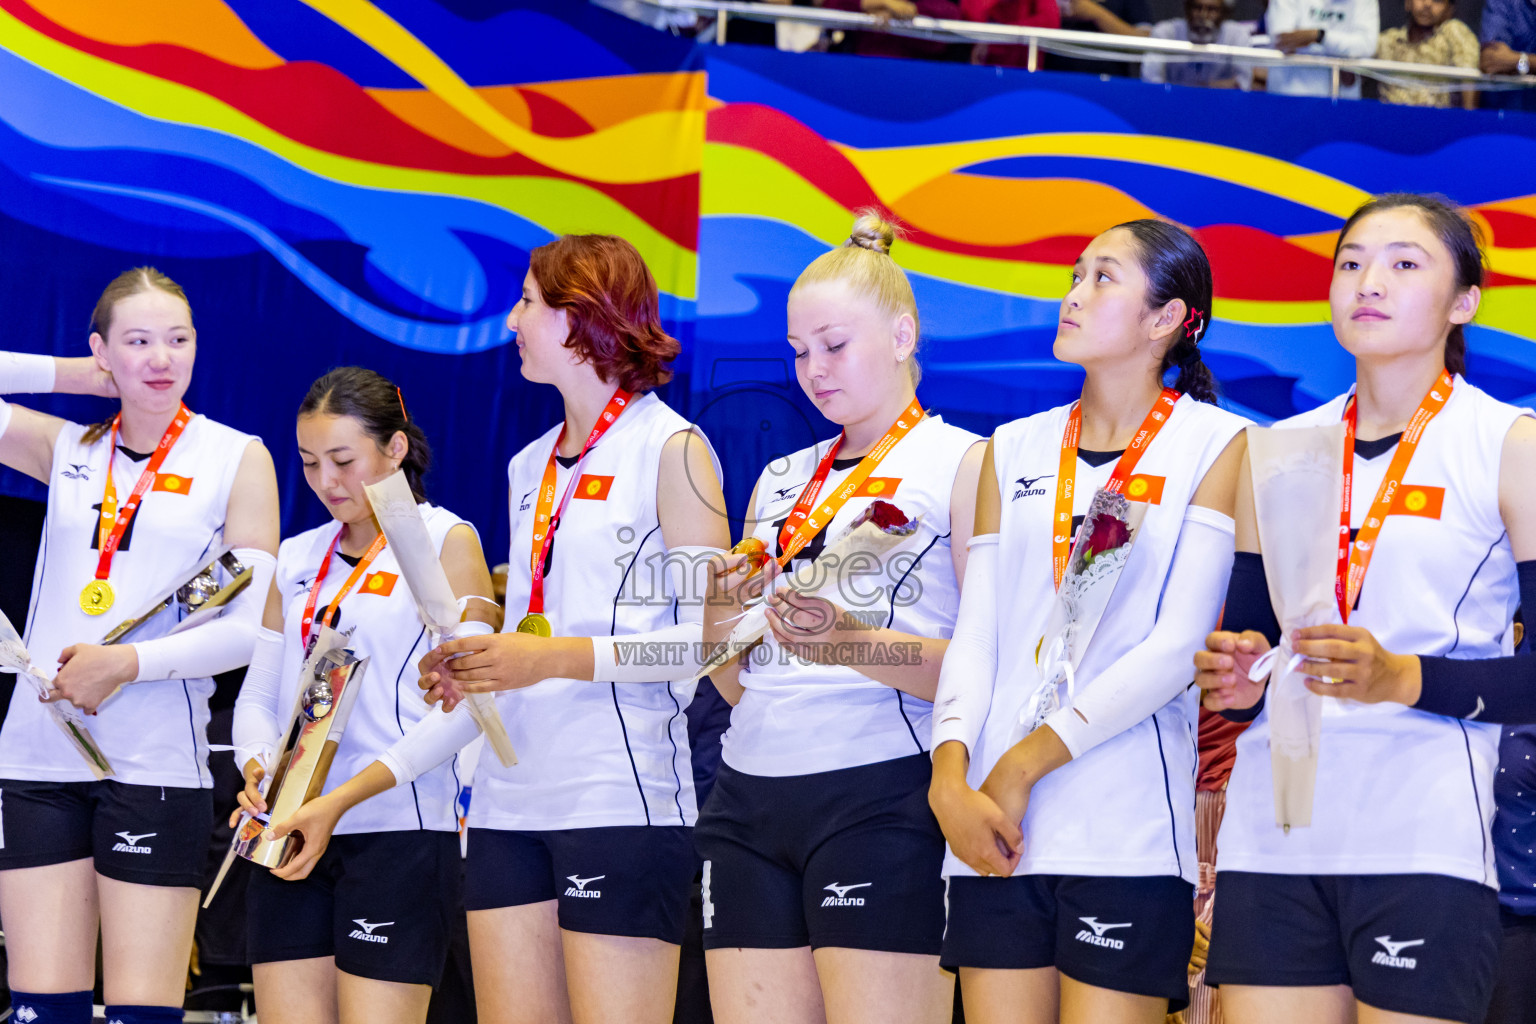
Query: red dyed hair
610	299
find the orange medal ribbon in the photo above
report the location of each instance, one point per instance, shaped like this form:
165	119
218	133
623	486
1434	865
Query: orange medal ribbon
1355	558
802	526
346	588
1066	474
113	526
545	524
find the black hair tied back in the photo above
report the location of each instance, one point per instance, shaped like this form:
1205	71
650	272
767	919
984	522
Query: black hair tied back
1177	268
379	406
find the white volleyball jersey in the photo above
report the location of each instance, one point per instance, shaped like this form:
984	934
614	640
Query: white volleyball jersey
388	632
155	732
796	717
1127	806
1400	790
594	754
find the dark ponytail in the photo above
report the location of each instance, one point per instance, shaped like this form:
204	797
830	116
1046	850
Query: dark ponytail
1177	268
1460	236
379	406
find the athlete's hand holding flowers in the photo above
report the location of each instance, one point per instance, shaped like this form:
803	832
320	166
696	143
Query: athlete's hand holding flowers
740	577
1349	663
1221	670
500	661
90	673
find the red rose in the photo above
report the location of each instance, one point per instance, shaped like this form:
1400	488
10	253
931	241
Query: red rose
1108	533
887	516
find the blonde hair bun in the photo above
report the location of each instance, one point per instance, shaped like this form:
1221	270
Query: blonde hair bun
873	232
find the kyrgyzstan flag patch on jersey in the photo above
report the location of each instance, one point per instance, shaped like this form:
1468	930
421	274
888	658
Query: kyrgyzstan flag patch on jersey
1145	488
172	483
1418	501
380	583
877	487
593	488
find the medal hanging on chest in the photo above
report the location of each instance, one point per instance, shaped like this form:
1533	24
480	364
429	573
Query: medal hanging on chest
97	597
546	518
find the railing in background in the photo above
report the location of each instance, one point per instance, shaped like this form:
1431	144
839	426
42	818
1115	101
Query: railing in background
1094	45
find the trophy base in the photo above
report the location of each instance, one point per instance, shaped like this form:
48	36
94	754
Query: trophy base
257	844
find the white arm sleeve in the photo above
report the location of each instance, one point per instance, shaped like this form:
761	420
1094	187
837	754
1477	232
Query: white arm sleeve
220	644
969	672
663	655
26	373
257	730
438	736
429	743
1159	668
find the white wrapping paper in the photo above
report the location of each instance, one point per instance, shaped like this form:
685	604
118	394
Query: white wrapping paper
1078	606
1297	475
394	506
69	719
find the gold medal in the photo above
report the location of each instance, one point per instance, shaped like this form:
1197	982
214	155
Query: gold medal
536	624
97	597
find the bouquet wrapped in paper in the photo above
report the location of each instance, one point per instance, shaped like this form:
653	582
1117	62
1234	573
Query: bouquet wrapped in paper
1098	557
69	719
1296	478
879	530
400	519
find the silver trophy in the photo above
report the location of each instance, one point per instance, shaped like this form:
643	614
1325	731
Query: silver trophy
329	687
198	594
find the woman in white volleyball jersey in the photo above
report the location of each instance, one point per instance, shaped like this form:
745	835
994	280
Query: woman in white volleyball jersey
1384	907
134	505
822	896
580	855
357	926
1069	806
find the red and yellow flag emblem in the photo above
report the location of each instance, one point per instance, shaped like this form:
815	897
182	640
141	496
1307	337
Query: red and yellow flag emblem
1418	501
172	483
878	487
380	583
1145	488
593	488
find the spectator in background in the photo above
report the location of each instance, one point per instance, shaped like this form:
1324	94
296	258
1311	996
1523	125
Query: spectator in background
1032	13
1115	17
884	44
1509	36
1330	28
1433	35
1204	21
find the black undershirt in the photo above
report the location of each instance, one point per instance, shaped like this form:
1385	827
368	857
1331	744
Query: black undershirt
135	456
1097	459
1369	450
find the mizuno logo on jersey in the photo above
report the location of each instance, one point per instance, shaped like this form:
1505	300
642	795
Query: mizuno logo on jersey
173	484
840	897
1026	487
593	488
130	843
525	504
76	471
578	887
785	493
1096	936
364	931
380	583
1391	957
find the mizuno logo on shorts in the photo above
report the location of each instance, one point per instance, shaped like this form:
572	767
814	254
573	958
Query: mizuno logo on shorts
840	897
1096	937
1391	958
578	887
130	843
364	930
